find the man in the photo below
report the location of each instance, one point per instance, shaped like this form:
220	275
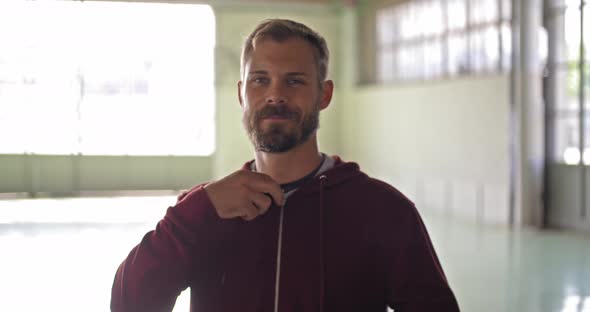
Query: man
294	229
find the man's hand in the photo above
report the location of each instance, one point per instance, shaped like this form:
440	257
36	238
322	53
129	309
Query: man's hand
244	194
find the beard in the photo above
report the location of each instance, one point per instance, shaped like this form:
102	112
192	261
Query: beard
280	137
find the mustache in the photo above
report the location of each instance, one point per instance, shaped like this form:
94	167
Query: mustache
281	111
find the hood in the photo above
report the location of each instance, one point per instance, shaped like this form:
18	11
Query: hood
341	172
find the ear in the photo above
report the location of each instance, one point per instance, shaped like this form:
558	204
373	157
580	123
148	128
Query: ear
240	94
327	92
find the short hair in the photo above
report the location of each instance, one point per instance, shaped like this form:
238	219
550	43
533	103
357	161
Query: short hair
280	30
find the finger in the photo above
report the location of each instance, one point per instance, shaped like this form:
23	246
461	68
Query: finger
262	183
231	213
261	201
249	212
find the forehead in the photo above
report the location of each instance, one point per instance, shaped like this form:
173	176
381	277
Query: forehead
293	54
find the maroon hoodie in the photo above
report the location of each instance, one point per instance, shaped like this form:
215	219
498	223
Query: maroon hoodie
347	242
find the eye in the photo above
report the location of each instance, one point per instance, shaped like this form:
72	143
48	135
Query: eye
294	81
259	80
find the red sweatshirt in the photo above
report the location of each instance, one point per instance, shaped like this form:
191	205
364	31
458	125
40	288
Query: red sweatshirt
347	242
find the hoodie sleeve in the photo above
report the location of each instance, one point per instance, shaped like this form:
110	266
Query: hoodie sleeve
158	269
415	279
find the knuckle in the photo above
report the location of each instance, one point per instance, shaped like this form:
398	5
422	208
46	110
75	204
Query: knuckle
267	201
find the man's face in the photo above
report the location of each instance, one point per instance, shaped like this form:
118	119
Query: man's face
280	94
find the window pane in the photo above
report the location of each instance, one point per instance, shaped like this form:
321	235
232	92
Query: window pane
506	46
567	140
586	32
572	32
586	86
543	45
106	88
396	19
410	17
410	62
403	12
38	92
385	27
568	101
433	61
385	70
566	116
484	49
566	98
483	11
506	10
458	58
385	37
154	69
456	14
405	60
432	18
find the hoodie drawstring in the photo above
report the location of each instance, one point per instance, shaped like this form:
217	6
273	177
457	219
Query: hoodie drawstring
323	179
278	267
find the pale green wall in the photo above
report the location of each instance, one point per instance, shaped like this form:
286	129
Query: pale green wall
68	174
445	144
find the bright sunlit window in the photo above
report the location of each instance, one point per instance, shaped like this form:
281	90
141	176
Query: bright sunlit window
576	304
568	128
571	156
433	38
106	78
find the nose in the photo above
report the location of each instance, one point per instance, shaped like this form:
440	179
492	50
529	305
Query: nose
275	94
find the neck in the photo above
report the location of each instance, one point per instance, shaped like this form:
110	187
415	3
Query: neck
291	165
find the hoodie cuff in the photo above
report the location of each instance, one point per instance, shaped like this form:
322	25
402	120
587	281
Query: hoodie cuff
195	216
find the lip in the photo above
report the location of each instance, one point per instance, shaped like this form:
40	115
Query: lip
275	118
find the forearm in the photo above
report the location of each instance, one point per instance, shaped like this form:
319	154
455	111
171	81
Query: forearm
161	265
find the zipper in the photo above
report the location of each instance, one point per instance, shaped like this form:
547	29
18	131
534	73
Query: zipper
279	252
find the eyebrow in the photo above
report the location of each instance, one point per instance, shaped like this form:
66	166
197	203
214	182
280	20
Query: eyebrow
264	72
258	72
296	74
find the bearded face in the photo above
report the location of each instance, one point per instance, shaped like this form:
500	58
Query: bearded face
281	95
276	128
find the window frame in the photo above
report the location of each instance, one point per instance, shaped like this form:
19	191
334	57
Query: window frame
469	32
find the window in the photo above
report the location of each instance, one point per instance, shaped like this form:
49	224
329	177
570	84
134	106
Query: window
428	39
139	84
569	126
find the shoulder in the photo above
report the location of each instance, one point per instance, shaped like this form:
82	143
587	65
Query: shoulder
362	186
386	206
387	190
377	190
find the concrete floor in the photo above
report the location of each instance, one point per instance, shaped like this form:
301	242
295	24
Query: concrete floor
61	255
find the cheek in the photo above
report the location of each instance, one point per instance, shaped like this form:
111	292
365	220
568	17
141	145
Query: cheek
254	91
248	103
252	100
